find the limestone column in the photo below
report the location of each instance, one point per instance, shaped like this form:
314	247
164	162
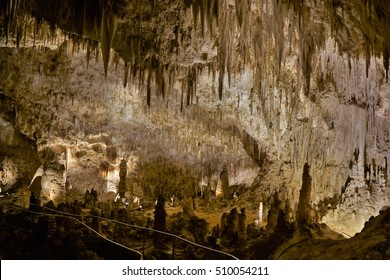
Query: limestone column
260	214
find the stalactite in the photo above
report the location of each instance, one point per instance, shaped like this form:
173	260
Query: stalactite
195	12
300	9
368	53
148	88
88	52
19	32
13	20
126	73
222	49
239	11
91	19
182	98
203	11
306	56
196	72
212	15
108	28
207	12
160	82
97	55
220	85
386	61
116	60
189	88
172	78
191	84
229	62
278	31
163	84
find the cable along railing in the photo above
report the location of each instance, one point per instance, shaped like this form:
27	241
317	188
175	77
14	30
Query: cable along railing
83	224
175	251
145	229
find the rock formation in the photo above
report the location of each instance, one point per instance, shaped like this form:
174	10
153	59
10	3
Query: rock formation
241	233
122	178
304	209
159	223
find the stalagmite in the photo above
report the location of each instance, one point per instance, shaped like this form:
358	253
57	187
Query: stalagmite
242	231
260	215
303	214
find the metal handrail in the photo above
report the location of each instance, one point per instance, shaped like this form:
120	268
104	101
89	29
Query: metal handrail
144	228
346	234
73	218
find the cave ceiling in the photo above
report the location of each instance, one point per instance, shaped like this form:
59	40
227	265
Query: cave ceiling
137	30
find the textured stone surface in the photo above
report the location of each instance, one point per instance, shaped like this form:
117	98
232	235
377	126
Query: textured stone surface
85	124
18	157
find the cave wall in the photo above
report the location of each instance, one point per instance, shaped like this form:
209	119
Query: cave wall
18	154
84	124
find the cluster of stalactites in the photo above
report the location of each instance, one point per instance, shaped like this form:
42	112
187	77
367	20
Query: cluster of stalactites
14	20
90	26
207	12
370	17
382	10
225	20
244	37
161	78
372	20
92	19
